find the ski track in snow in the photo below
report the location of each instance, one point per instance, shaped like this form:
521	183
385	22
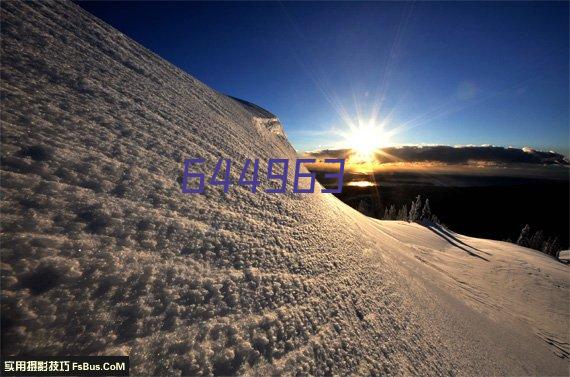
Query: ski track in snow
103	255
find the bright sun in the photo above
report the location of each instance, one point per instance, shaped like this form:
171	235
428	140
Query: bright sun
365	138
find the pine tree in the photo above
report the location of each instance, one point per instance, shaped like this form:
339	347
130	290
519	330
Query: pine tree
362	207
403	214
537	240
390	213
524	237
546	245
415	211
426	211
434	219
551	246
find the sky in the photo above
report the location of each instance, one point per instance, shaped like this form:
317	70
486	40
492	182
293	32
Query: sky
449	73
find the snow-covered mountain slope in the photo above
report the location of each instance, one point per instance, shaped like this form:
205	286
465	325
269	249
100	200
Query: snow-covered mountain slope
103	255
497	278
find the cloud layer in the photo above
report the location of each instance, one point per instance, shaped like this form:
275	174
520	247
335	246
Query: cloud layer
454	155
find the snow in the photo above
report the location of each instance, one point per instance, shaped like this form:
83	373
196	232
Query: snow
103	255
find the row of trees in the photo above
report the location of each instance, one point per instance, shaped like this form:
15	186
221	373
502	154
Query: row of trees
537	240
418	210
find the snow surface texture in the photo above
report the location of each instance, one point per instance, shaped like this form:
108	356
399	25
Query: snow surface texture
103	255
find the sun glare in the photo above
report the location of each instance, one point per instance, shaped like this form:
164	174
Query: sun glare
361	184
365	138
